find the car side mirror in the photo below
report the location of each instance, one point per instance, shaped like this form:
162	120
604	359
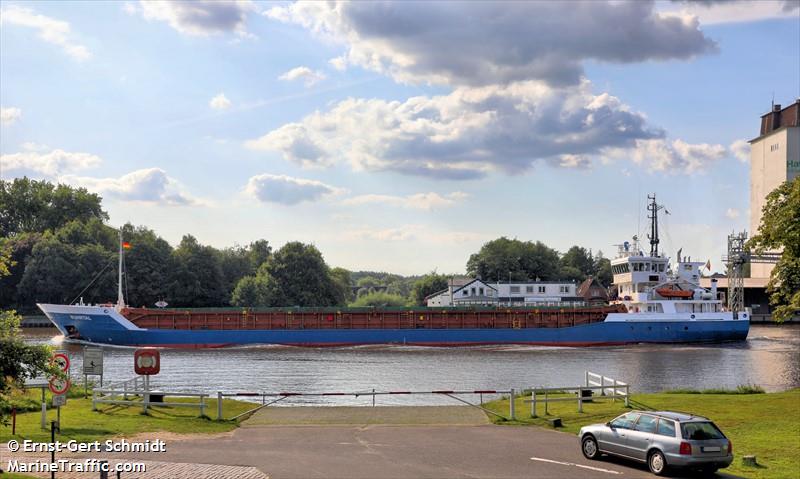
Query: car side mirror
608	424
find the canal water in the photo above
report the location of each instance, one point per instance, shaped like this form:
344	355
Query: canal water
769	358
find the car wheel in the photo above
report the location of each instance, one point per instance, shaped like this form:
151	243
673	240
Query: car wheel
589	448
657	463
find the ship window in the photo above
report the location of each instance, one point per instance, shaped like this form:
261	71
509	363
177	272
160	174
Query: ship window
515	289
529	289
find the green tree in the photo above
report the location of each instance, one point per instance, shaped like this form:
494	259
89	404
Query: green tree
148	266
251	291
197	279
427	285
21	247
344	283
506	259
258	251
36	206
577	264
780	230
602	269
18	360
380	300
296	275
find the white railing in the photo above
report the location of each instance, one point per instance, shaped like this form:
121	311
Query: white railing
615	387
118	393
618	390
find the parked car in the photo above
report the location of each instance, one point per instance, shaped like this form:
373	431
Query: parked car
661	439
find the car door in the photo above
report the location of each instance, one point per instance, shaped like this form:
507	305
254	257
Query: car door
615	435
638	441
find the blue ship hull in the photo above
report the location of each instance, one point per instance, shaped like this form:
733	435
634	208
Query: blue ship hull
107	329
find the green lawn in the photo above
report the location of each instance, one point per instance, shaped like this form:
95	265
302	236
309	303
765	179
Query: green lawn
79	422
766	425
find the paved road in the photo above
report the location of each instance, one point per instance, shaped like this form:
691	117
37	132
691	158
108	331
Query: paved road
367	451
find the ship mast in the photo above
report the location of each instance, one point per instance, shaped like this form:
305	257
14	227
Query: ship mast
653	208
120	297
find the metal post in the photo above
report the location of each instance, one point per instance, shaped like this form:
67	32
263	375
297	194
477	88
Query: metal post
533	402
219	405
511	409
373	397
146	394
580	399
614	392
587	379
627	395
202	406
53	452
44	411
58	417
546	413
103	469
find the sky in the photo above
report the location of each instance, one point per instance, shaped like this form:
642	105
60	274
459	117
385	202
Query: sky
400	136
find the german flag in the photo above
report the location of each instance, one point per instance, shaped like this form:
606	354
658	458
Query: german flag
126	245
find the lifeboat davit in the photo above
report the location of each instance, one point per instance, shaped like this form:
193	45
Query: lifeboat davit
674	293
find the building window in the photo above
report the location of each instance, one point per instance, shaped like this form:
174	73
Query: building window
774	147
480	290
541	289
529	289
464	292
515	289
473	292
564	289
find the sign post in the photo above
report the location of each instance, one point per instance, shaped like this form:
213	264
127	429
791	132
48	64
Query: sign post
146	362
92	366
59	386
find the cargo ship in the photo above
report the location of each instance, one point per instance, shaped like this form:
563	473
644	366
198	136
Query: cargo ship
655	303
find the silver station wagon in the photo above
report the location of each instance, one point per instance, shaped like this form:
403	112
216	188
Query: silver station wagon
661	439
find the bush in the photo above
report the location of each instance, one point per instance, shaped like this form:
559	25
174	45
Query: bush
380	300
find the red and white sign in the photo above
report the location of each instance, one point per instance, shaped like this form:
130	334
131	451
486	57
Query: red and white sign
61	360
146	362
58	385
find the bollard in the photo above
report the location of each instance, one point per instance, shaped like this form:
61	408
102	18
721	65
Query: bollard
533	403
580	399
546	412
627	395
219	405
511	410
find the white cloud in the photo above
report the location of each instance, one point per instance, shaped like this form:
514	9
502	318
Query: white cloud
710	12
339	63
51	30
287	190
149	185
732	213
9	116
412	232
464	134
741	150
33	146
199	17
676	156
309	76
480	43
220	102
50	164
580	162
420	201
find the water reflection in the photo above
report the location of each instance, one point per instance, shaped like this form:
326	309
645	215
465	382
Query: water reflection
769	358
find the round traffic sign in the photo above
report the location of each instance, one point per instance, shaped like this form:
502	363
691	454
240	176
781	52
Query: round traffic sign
62	361
58	385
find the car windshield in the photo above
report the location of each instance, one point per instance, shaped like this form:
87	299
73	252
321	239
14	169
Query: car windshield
700	431
626	421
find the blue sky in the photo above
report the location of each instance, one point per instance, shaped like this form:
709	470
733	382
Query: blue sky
399	137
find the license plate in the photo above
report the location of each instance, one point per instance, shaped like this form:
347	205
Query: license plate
711	449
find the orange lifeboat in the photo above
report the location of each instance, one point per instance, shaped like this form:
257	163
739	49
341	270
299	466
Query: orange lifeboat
674	292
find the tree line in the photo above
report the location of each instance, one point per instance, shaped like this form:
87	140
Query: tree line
60	250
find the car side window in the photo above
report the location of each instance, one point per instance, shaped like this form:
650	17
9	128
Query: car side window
646	423
666	428
626	421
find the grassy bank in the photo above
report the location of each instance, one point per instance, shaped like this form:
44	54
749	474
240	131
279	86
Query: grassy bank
766	425
79	422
